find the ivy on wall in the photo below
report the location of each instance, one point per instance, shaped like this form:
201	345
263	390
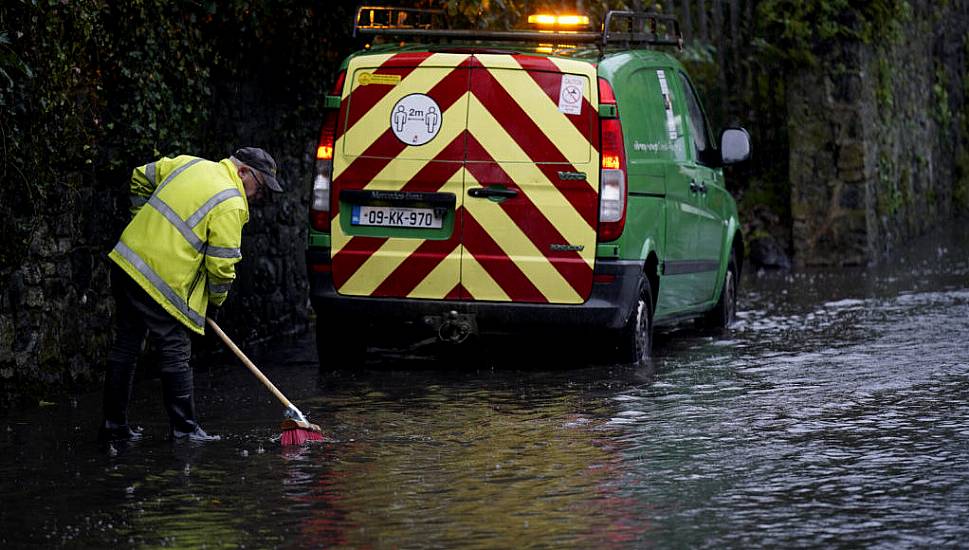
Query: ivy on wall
46	94
91	88
794	31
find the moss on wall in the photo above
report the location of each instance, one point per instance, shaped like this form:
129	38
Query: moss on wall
881	99
960	191
90	89
801	32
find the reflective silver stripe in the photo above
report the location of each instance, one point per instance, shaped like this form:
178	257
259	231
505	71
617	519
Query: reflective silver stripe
175	173
219	289
185	227
158	283
219	197
173	218
138	200
150	173
220	252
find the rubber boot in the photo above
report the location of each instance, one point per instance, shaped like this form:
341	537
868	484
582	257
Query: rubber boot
180	404
119	379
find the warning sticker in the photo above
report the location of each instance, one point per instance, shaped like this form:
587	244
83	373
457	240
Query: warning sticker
668	105
416	119
369	78
570	94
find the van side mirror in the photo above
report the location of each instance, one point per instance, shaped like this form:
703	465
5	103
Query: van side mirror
734	146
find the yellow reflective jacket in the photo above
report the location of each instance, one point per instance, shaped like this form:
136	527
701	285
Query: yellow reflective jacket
184	239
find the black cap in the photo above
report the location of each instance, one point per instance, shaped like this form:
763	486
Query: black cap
260	161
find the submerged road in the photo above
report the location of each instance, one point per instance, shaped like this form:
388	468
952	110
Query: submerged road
836	411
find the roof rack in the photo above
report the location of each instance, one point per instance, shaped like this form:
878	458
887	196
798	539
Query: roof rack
374	19
629	28
641	28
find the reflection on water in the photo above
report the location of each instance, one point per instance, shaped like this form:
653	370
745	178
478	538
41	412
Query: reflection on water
836	411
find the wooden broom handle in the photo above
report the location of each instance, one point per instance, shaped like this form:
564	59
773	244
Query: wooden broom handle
245	361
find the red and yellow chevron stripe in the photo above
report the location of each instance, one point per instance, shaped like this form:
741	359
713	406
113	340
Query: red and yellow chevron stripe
500	125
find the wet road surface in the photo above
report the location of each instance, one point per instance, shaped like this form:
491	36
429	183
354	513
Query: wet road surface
835	412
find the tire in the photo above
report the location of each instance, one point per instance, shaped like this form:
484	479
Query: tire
725	312
636	338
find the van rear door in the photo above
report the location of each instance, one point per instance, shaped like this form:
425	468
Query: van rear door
398	176
531	191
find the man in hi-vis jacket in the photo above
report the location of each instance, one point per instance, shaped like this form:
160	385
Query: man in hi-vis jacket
176	260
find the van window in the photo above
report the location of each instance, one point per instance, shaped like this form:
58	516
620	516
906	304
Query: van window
650	117
699	130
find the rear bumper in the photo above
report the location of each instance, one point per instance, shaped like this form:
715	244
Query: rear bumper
608	306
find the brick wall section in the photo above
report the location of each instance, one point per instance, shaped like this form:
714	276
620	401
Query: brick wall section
873	130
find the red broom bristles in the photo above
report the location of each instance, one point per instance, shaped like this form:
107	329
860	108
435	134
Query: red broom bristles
296	429
299	432
298	436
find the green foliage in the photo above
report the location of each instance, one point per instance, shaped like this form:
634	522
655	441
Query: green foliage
960	192
889	194
765	192
154	67
942	112
47	97
95	87
794	31
884	93
485	14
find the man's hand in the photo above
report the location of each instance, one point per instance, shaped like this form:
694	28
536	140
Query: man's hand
213	312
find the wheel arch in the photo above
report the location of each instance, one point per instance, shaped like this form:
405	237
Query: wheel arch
739	251
651	270
734	246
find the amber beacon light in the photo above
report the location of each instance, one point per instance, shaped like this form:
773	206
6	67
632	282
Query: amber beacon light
545	20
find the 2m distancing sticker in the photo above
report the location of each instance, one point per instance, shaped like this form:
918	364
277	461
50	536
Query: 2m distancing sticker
570	94
416	119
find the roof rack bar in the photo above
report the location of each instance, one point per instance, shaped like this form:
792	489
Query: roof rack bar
516	36
636	28
640	21
393	17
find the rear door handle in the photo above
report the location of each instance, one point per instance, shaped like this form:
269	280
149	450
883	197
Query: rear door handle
492	192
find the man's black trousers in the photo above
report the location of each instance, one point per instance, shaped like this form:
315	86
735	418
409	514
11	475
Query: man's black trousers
138	316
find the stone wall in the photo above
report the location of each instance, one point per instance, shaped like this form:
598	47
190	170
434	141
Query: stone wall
874	131
217	76
56	307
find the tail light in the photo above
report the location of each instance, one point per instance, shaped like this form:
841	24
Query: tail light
320	205
322	184
612	180
337	89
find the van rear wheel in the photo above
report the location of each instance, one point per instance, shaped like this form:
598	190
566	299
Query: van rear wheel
636	338
725	312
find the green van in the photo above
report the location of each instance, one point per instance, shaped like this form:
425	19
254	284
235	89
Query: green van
548	179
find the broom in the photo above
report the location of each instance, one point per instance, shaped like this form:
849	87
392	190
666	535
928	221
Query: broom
296	429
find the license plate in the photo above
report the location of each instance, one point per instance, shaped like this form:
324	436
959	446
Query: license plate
391	216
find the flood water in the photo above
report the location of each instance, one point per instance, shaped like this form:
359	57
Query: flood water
835	412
